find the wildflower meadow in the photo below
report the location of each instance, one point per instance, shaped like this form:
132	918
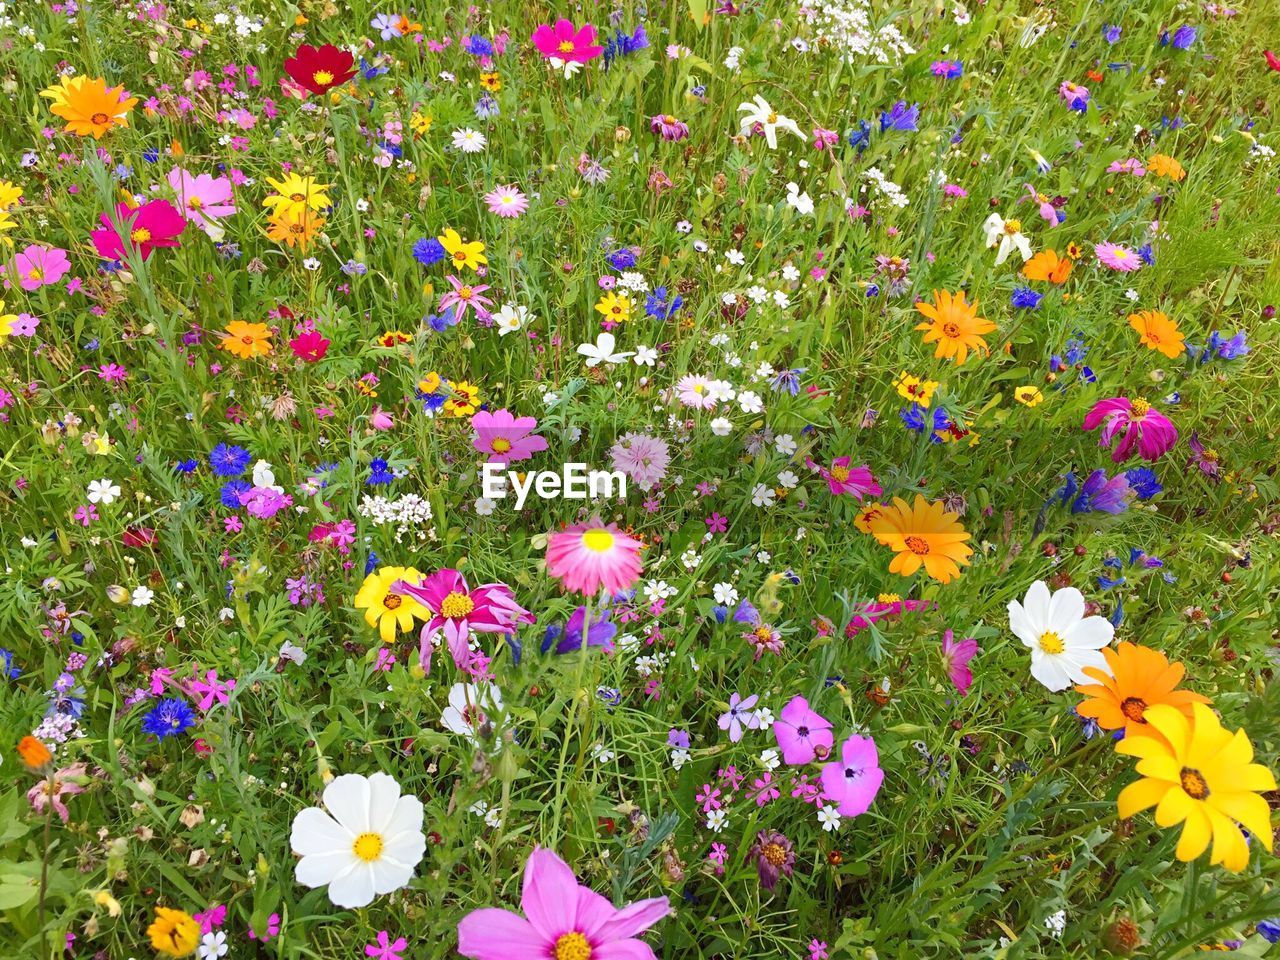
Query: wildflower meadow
683	480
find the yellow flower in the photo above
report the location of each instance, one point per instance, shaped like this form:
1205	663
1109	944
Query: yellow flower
491	80
386	610
174	933
1029	395
1197	773
922	534
10	194
6	323
915	389
1165	166
88	106
464	399
462	254
430	383
420	123
614	307
247	340
954	325
1158	332
295	195
295	229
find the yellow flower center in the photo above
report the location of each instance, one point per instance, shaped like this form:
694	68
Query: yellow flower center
392	601
888	598
840	474
501	446
368	847
1134	708
456	606
1012	226
1193	783
322	77
773	118
34	273
572	946
195	203
141	235
774	854
566	46
464	293
917	545
601	541
763	633
1051	643
1139	408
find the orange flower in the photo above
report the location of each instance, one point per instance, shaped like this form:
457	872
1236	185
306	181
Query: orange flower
1140	678
247	340
955	325
295	229
1165	166
1047	265
1158	332
922	534
33	753
89	107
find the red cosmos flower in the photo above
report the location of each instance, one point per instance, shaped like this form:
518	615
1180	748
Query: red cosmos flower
138	537
154	224
309	346
320	69
1272	60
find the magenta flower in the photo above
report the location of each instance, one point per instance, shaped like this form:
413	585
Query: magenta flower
956	657
562	919
506	438
54	787
1137	423
885	606
463	296
154	224
1117	257
386	948
211	690
857	481
853	781
38	266
802	733
272	930
567	43
202	199
456	610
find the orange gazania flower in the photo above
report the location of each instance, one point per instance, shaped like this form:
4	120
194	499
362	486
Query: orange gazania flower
295	229
922	534
1140	678
89	106
1047	265
1158	332
1163	165
247	340
954	325
33	753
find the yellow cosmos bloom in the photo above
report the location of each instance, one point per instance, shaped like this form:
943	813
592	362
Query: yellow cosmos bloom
89	106
464	399
462	254
389	611
247	340
295	229
174	933
916	389
295	195
1197	773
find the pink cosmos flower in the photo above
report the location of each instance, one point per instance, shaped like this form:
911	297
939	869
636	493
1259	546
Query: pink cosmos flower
567	43
853	781
463	296
456	610
802	733
154	224
885	606
585	557
956	657
642	458
1117	257
858	482
562	919
38	266
1137	423
53	787
1131	166
1047	212
506	201
695	391
202	199
506	438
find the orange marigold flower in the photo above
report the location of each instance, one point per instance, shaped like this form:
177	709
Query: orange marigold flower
1158	332
922	534
33	753
247	340
954	325
1140	678
89	106
1047	265
1165	166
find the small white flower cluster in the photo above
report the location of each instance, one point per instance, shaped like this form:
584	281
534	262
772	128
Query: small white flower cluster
650	664
846	26
886	187
410	514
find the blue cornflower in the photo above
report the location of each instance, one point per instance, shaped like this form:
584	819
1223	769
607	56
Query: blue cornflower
168	718
229	461
151	154
487	107
1147	254
1143	482
1111	33
370	71
478	46
657	306
230	493
914	418
788	380
1024	298
428	251
901	117
187	466
623	44
1076	350
623	259
442	321
379	472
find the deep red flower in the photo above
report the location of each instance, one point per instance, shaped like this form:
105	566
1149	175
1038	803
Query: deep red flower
1272	60
320	69
137	537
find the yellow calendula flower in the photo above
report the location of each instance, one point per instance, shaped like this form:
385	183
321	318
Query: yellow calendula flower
295	229
1197	773
389	611
916	389
1163	165
464	399
90	107
10	194
174	933
295	195
615	307
922	534
1028	395
463	254
420	123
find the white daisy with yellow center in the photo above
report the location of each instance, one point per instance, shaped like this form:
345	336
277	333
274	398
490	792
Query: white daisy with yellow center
1062	640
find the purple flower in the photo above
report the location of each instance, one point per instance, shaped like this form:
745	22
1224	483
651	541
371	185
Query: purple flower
802	733
774	857
740	714
853	781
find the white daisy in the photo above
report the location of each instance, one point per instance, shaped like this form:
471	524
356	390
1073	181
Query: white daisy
1062	640
367	844
469	141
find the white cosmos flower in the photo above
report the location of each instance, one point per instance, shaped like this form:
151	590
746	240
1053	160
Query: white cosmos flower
368	844
1062	640
758	111
511	318
1008	235
103	491
470	707
602	350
